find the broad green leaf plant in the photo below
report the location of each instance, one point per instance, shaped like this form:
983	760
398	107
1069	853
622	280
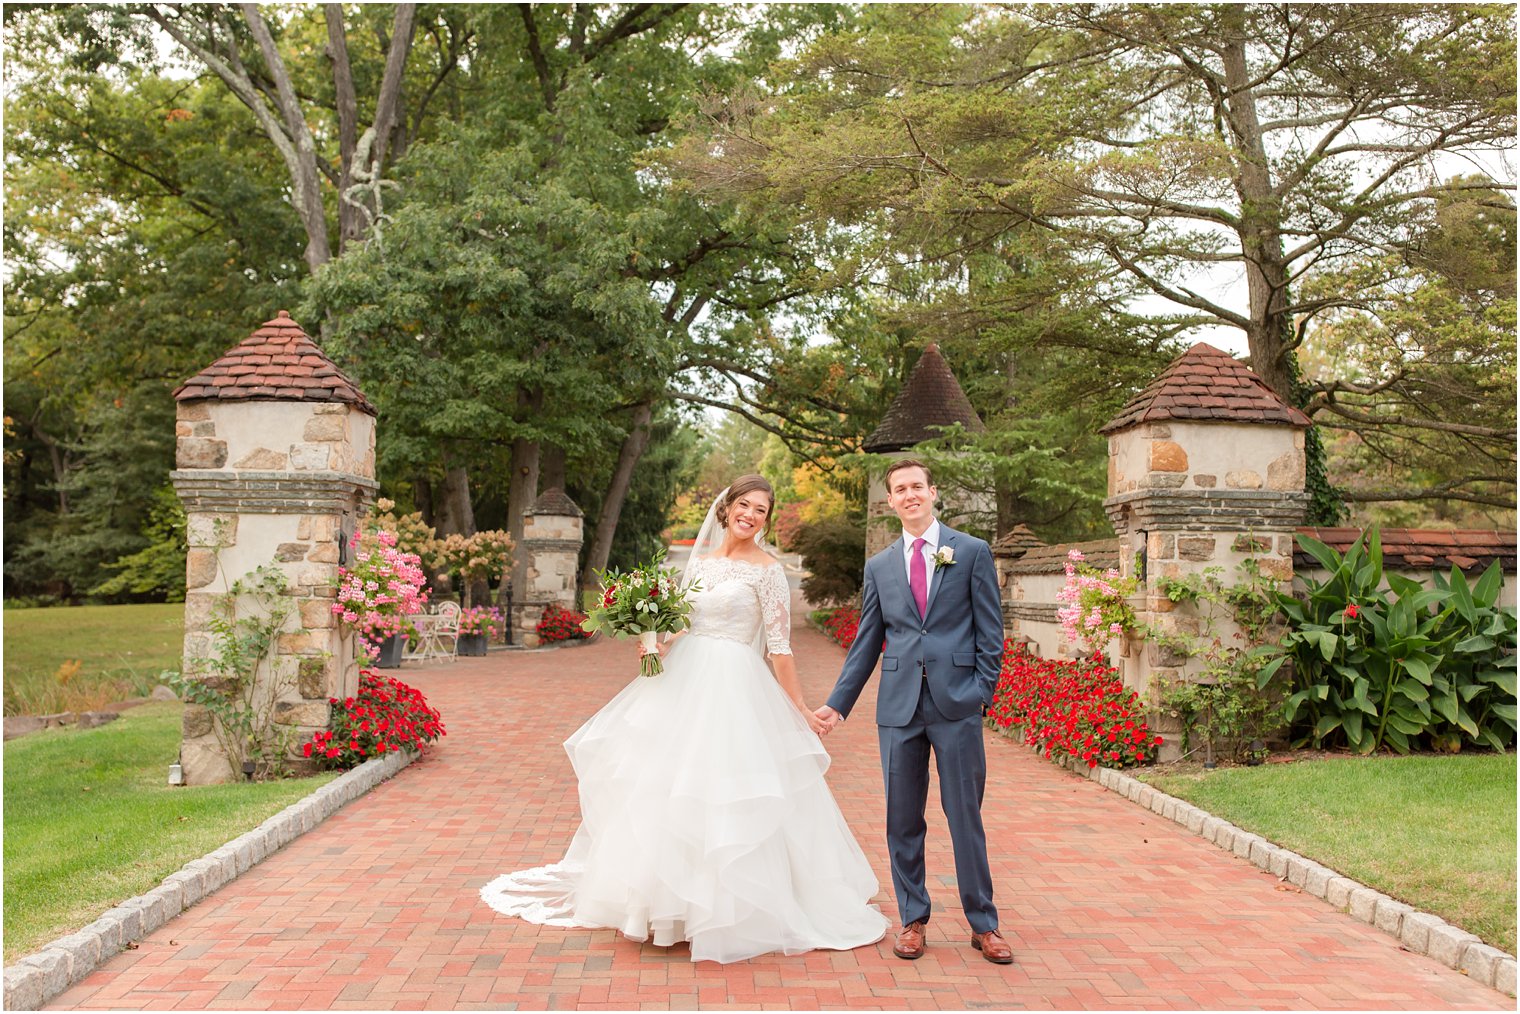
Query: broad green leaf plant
1380	660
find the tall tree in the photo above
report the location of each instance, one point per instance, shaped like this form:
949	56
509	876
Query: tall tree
144	235
1284	142
240	46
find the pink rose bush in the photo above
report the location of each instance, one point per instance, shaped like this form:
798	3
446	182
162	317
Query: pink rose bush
380	589
1096	610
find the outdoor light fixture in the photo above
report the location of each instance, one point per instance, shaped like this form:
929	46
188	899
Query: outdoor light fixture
1258	748
509	610
248	769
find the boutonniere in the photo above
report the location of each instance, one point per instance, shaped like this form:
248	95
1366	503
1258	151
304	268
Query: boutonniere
944	557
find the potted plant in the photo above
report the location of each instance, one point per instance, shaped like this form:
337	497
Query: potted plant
476	627
377	592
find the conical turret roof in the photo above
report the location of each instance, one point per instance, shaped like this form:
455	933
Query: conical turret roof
554	501
931	398
1206	384
278	362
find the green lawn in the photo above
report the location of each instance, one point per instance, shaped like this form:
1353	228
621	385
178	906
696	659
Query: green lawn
90	820
120	651
1436	832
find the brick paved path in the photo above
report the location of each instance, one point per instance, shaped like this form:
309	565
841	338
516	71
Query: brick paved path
1105	905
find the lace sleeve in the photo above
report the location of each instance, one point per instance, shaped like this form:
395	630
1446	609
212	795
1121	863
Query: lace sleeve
776	610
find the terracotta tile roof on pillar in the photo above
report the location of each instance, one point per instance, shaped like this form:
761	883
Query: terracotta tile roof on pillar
554	501
1208	385
931	397
1471	549
1017	542
1099	553
278	362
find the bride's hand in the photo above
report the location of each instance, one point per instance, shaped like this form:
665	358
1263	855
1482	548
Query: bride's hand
659	649
819	726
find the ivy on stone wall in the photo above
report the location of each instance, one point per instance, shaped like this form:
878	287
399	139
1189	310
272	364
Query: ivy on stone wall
1327	501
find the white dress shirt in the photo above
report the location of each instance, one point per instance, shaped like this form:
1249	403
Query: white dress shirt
930	547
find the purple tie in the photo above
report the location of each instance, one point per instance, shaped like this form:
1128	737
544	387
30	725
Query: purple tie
918	577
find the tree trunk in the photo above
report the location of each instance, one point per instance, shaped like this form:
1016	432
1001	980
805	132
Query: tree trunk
1006	499
306	187
522	486
551	468
1260	226
388	105
456	515
60	465
422	496
350	218
617	492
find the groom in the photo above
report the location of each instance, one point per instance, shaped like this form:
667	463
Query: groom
933	596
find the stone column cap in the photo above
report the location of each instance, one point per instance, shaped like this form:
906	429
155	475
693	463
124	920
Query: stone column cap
554	501
278	362
1206	384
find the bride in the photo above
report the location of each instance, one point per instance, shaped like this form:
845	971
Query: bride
704	812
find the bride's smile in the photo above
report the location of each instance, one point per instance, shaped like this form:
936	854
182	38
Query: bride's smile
747	517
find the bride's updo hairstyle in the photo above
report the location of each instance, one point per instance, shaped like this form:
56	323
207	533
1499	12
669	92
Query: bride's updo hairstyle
747	484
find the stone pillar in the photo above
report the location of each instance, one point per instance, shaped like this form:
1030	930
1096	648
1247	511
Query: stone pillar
1205	469
276	456
553	530
882	526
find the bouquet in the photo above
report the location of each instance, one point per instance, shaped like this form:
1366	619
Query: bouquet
646	601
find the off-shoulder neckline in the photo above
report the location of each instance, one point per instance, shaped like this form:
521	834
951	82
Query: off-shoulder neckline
734	559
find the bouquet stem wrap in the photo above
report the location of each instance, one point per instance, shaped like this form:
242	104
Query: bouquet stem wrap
650	664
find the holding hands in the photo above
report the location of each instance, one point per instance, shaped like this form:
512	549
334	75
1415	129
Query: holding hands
827	718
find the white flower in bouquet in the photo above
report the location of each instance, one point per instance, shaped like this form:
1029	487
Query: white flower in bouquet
643	602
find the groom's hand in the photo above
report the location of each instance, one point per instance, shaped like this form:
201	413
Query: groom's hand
829	717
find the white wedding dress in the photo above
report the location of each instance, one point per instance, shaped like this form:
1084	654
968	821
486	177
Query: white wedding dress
704	812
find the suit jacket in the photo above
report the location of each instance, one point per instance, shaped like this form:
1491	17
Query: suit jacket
958	642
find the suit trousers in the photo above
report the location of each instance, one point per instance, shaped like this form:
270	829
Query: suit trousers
961	760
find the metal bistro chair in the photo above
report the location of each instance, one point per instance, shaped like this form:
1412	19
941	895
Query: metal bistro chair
444	642
420	650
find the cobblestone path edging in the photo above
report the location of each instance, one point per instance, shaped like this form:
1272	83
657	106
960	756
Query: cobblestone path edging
37	978
1418	932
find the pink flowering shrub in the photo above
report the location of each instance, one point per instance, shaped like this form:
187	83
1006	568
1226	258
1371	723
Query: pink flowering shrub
479	620
1096	610
379	589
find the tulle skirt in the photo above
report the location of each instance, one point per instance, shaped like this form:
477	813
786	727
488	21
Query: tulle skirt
705	817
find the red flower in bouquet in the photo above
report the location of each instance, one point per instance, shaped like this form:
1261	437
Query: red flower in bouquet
642	602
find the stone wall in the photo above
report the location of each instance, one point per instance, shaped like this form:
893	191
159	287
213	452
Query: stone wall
270	482
1030	581
1206	456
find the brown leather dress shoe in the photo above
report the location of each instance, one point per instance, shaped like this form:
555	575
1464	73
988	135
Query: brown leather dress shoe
910	942
993	947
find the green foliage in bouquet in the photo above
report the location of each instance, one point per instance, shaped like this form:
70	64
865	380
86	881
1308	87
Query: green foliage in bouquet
647	599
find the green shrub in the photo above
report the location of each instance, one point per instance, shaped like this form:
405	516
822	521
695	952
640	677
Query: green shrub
1375	667
157	571
834	553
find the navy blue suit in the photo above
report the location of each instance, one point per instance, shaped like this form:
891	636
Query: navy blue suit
938	672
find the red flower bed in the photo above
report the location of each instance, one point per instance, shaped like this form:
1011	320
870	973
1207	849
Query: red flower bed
560	624
1072	709
386	716
842	624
